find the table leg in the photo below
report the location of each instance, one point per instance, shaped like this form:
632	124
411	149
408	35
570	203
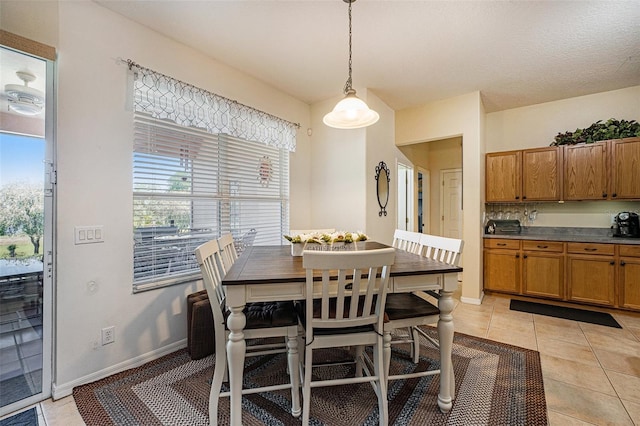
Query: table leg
445	337
236	348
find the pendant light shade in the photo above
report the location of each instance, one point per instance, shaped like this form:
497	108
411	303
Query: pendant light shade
351	112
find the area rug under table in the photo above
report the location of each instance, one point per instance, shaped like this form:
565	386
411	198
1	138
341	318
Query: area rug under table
496	384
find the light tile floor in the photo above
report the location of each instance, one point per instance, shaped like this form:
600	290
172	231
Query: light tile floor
591	373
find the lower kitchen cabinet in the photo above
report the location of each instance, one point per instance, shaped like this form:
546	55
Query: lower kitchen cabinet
591	277
502	265
543	269
595	274
629	277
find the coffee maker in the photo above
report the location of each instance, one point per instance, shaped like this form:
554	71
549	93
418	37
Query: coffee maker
627	225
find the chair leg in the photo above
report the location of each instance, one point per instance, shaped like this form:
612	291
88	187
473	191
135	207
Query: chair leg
379	369
386	353
415	345
219	371
306	386
293	362
359	360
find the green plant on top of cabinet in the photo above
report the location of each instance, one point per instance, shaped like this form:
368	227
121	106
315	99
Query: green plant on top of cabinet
586	171
625	173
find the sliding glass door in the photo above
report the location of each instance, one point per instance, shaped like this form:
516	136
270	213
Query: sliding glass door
26	246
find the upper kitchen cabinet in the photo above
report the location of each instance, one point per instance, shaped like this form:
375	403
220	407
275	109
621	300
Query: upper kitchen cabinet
527	175
625	172
503	176
585	171
542	174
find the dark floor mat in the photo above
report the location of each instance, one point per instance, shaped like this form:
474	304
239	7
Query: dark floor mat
25	418
600	318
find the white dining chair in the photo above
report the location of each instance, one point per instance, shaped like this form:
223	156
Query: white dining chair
345	311
411	310
407	241
228	252
263	320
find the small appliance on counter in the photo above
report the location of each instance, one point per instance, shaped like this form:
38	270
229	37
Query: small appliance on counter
626	224
503	227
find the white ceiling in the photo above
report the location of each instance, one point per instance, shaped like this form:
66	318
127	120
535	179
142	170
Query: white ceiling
515	53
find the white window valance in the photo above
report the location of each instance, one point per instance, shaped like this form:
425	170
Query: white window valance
166	98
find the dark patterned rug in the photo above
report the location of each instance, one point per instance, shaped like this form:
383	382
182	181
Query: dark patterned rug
496	384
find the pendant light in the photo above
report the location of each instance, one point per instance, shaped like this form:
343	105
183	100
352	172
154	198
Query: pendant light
351	112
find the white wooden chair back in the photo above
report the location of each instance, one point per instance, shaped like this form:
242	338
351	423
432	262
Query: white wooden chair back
407	241
208	255
357	276
447	250
228	252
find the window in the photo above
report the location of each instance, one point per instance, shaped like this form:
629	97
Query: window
190	186
203	166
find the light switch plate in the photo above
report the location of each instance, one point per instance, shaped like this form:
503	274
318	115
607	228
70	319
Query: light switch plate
89	234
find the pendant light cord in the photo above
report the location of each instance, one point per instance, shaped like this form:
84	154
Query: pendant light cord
347	85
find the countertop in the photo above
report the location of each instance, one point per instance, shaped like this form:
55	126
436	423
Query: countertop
567	234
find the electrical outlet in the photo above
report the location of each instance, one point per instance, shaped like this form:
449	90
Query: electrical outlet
108	335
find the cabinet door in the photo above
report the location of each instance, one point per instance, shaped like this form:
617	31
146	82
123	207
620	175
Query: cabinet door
629	282
585	171
543	274
625	174
542	174
502	270
591	279
503	179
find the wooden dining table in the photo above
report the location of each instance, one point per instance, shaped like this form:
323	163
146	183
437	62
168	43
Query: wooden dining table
271	273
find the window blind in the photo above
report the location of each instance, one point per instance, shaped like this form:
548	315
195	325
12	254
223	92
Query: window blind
190	186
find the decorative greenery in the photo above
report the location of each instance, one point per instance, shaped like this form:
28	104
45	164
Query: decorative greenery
599	131
324	238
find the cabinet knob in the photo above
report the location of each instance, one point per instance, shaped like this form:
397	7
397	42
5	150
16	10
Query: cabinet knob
612	263
524	197
525	256
542	247
590	249
604	195
501	244
517	197
614	195
517	256
622	263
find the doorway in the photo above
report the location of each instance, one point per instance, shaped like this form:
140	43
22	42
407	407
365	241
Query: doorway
405	197
423	201
26	229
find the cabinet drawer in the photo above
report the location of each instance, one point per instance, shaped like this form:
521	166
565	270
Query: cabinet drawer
554	246
588	248
629	250
502	244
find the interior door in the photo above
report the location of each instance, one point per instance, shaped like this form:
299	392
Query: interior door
405	197
452	203
26	231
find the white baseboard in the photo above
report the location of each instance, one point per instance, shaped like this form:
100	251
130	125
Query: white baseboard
471	300
66	389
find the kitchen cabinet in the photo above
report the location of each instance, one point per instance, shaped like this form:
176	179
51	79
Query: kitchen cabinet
542	174
629	277
502	265
543	269
591	273
526	175
625	169
586	171
503	176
